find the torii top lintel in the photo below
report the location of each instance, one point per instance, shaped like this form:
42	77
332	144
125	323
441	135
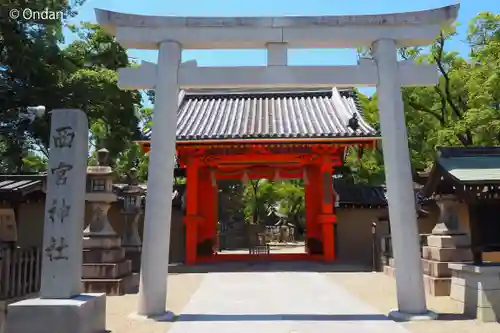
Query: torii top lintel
346	31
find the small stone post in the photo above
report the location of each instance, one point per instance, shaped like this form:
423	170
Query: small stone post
61	307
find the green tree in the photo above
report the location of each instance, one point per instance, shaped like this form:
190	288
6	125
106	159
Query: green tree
290	195
461	110
32	67
259	199
82	75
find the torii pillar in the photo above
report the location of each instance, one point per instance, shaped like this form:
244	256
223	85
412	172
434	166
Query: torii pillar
156	235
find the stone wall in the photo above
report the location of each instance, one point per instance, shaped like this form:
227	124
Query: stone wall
30	226
354	234
30	223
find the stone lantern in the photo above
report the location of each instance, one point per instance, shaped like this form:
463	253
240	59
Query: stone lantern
447	244
105	268
100	196
132	210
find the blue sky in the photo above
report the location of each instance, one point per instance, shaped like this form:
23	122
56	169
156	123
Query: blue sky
469	8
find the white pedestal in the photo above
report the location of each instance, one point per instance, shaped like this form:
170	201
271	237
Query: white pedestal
397	315
84	313
477	289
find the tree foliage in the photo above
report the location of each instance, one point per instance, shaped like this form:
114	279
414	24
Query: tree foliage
37	69
263	199
463	109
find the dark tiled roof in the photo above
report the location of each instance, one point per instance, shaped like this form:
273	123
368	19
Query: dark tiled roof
21	184
285	113
359	194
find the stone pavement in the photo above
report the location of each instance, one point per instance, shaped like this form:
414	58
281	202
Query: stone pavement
278	302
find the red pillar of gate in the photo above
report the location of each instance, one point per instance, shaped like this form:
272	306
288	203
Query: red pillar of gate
192	218
207	203
327	217
312	201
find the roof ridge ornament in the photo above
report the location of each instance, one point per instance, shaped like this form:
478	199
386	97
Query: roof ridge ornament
353	122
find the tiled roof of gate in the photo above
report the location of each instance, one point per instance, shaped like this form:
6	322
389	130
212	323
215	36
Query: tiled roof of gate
284	113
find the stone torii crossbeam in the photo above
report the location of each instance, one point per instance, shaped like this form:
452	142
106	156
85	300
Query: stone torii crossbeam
383	33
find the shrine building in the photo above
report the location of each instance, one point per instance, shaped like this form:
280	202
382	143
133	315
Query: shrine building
274	134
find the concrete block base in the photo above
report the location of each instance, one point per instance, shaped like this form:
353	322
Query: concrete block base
397	315
113	287
103	255
389	271
448	241
437	286
101	242
477	290
106	270
436	268
84	313
446	254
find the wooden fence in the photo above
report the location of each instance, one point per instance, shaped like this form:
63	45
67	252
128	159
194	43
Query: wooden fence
20	270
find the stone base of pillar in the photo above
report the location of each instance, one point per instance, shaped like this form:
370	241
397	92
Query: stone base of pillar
439	252
84	313
105	267
389	271
477	290
397	315
168	316
133	253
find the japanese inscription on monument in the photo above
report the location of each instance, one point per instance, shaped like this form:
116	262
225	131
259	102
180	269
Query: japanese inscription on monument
61	173
63	137
55	251
65	204
58	211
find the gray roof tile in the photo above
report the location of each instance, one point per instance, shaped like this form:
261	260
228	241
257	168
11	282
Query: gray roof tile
283	113
471	164
20	184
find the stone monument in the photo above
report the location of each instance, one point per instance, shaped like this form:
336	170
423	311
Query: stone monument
61	306
448	243
105	268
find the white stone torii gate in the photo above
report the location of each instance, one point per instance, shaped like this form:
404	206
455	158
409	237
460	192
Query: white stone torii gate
383	33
